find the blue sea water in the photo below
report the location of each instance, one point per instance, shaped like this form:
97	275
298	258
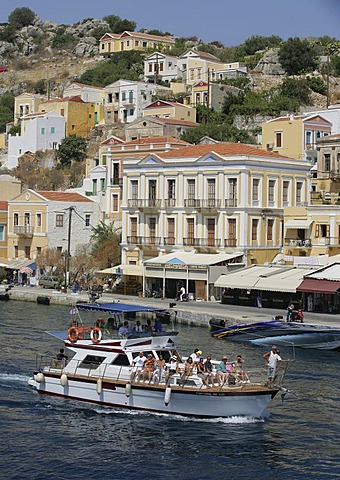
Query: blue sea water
51	438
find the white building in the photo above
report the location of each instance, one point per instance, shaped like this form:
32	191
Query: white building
125	100
39	131
160	66
88	93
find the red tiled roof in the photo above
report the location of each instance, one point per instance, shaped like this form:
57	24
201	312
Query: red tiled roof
151	140
77	98
63	196
147	35
174	121
86	85
222	149
3	205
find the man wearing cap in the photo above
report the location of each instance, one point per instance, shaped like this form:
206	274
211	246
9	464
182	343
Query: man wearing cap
196	355
273	359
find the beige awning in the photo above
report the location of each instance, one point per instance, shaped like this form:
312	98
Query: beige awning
268	278
303	223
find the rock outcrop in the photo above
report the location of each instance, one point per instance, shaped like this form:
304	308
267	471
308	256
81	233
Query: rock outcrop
270	63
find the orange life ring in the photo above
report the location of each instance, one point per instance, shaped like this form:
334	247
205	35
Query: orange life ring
73	334
96	335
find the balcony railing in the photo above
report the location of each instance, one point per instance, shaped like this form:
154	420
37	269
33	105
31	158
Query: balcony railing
297	242
201	242
230	202
192	203
117	181
169	240
138	240
23	230
144	203
230	242
170	202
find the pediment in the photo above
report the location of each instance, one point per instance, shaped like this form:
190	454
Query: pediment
151	160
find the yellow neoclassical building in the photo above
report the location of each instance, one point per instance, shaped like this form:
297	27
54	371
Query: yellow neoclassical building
113	42
213	199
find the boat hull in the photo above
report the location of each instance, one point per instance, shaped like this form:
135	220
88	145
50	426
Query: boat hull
282	333
203	403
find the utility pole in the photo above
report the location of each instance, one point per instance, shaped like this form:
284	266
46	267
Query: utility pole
68	253
208	95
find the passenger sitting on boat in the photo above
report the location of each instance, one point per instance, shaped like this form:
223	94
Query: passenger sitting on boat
125	330
187	370
158	326
208	366
201	371
238	369
138	327
149	367
61	358
100	323
196	355
147	327
111	324
159	369
173	368
222	373
273	359
137	366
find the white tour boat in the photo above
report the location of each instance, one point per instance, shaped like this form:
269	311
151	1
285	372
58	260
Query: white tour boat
100	372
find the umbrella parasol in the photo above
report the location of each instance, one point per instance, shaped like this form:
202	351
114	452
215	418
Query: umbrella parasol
26	270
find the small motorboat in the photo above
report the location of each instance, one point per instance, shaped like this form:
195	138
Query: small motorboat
280	332
100	371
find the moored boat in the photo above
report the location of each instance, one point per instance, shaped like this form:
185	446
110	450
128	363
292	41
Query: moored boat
100	372
283	333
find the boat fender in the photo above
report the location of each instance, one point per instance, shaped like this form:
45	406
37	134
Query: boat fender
167	396
128	389
39	377
4	297
73	334
43	300
96	335
99	386
64	380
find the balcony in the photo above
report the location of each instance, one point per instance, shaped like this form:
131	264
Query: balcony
148	204
230	202
169	203
117	181
192	203
138	240
169	240
298	242
201	242
23	231
230	242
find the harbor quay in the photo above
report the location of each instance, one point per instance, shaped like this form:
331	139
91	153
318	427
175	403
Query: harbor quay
192	313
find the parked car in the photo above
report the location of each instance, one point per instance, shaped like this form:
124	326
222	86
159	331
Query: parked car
48	282
3	69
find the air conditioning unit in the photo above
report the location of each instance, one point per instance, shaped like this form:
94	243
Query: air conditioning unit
269	146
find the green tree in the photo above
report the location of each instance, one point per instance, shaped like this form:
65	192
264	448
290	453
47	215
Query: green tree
127	65
106	248
71	148
256	42
317	85
118	25
6	110
297	56
21	17
296	89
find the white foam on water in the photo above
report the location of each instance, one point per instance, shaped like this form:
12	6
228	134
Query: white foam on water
181	418
6	378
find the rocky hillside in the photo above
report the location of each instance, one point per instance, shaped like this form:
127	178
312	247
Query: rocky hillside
53	53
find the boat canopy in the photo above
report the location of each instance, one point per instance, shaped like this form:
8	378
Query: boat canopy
116	308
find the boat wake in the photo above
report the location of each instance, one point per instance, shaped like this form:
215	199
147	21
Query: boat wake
7	379
180	418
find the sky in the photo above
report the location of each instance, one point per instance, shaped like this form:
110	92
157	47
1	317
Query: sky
230	22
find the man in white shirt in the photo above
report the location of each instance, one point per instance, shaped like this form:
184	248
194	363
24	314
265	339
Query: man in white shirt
273	359
137	366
